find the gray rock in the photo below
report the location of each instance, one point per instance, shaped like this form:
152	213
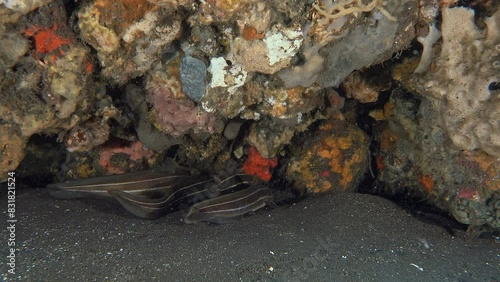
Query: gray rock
193	73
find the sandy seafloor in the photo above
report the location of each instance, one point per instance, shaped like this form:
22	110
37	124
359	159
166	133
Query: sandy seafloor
338	237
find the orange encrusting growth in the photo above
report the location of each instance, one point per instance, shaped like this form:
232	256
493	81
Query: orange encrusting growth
250	33
333	149
380	162
427	182
89	67
334	161
255	164
47	40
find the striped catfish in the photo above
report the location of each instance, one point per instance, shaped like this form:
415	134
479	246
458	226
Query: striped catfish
183	195
152	194
229	207
147	183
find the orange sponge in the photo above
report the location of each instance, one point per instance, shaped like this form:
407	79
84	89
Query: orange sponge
259	166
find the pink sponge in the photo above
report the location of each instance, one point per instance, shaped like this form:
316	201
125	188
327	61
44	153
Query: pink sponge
178	115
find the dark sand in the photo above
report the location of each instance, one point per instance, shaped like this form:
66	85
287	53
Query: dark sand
343	237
